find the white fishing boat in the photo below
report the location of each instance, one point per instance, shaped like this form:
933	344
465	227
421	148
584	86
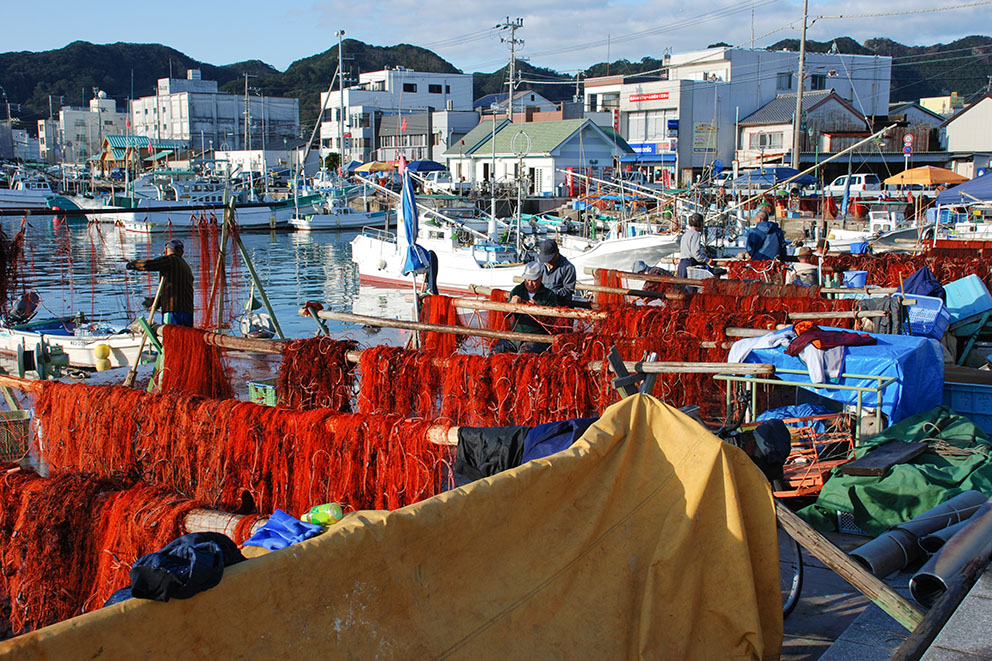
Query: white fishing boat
45	339
335	215
27	190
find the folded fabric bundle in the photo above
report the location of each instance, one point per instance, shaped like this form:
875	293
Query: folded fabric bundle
282	530
187	565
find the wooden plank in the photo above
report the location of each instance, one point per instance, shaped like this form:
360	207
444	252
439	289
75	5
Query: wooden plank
820	547
881	459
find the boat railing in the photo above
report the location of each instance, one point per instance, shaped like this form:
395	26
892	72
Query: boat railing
379	234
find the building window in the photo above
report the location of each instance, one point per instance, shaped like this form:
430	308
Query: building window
409	87
783	81
434	89
818	81
447	89
766	140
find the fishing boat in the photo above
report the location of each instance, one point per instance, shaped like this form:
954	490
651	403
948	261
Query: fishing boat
26	190
335	214
73	339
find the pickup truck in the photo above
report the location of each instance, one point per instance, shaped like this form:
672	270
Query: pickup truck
440	182
862	185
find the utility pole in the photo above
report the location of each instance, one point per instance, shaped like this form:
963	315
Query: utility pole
513	42
340	35
247	142
799	92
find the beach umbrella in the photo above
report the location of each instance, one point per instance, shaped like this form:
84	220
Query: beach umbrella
425	166
416	258
926	175
376	166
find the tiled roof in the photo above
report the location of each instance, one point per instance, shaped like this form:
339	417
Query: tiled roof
545	137
781	109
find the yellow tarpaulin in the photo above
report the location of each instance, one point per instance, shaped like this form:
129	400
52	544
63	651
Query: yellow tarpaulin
647	538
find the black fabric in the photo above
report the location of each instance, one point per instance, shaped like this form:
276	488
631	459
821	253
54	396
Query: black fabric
432	272
772	445
891	324
186	566
485	451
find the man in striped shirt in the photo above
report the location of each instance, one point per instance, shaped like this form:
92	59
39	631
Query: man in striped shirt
176	299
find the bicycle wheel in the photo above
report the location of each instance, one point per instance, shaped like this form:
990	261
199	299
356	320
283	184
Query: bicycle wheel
790	567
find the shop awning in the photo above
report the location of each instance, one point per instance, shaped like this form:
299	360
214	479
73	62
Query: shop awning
668	157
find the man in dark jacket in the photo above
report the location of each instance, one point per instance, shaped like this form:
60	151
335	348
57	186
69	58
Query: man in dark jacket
176	300
531	291
559	274
766	240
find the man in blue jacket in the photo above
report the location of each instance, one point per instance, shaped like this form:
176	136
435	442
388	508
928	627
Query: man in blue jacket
765	240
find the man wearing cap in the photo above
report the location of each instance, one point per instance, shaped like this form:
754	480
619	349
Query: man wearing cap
533	292
176	299
559	274
803	271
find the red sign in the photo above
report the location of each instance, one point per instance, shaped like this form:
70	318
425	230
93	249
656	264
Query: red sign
653	96
616	119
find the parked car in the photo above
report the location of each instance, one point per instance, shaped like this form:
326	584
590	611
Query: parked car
862	185
441	182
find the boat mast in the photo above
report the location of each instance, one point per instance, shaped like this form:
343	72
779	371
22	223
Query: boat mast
340	35
799	92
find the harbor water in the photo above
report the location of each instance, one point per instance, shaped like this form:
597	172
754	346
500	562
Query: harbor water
79	269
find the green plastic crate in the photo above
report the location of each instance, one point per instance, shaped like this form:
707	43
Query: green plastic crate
15	428
263	392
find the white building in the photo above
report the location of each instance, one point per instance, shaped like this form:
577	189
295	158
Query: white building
381	93
549	150
693	114
79	132
407	134
968	130
193	110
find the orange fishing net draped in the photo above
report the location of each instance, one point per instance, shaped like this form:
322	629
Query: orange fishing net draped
315	373
191	366
206	235
439	309
609	278
11	252
240	456
888	270
77	537
400	381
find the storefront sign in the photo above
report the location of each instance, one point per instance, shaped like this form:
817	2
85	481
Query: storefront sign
652	96
644	147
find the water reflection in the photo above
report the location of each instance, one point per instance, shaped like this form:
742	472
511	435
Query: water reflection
78	268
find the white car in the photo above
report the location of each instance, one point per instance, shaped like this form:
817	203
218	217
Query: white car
862	185
441	182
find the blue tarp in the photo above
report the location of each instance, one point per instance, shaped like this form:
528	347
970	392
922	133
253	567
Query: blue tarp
916	362
966	193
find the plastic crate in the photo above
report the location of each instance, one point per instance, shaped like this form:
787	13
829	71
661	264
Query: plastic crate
967	297
973	400
696	273
928	317
263	392
15	429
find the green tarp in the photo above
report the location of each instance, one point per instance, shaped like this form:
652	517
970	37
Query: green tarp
910	489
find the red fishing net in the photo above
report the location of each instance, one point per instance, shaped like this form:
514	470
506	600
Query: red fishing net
239	456
190	366
438	309
609	278
315	373
77	537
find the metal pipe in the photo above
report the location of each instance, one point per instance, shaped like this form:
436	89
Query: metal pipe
974	541
896	548
934	541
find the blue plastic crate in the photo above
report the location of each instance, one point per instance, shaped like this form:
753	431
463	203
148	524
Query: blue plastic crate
928	317
967	297
972	400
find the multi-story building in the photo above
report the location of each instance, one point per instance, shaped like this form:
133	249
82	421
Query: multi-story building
690	120
389	92
79	132
193	110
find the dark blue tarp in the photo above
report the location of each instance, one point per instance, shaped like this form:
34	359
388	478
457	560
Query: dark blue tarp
916	362
967	192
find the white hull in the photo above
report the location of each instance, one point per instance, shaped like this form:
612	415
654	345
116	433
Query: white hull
81	350
379	260
337	221
148	221
18	199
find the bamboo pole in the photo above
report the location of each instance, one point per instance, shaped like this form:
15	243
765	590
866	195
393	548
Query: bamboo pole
133	372
666	279
837	314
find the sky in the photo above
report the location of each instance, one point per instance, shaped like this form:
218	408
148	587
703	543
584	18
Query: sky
565	36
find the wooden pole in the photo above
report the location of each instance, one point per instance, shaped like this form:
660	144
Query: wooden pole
528	308
837	314
668	280
258	283
133	372
819	546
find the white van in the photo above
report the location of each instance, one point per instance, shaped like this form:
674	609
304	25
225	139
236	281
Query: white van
862	185
441	181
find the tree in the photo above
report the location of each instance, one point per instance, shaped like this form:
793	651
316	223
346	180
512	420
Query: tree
332	161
